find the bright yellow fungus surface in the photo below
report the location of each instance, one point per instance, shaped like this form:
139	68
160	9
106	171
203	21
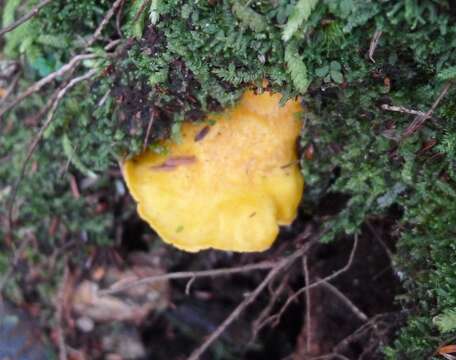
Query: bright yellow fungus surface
225	186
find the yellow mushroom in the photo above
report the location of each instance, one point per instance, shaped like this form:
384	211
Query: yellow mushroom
225	186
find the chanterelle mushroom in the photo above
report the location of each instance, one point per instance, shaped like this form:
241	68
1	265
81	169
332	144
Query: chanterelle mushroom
228	185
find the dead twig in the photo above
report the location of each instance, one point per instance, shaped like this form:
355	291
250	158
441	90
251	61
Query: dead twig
373	44
305	267
104	22
122	285
276	318
419	121
356	310
41	83
59	96
280	266
402	109
259	323
24	18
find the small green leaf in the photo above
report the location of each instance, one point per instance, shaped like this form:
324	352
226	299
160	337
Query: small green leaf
337	77
322	71
335	65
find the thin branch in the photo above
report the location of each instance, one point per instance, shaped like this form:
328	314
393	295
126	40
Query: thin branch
281	265
41	83
38	137
356	310
402	109
260	322
373	45
104	22
125	285
420	119
276	318
305	266
24	18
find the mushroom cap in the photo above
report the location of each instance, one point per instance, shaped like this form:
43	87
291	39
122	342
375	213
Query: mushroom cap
225	186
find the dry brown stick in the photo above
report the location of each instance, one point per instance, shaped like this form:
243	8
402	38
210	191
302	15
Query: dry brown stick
41	83
356	310
259	323
38	137
24	18
123	285
420	119
373	44
305	267
281	265
402	109
104	22
276	318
